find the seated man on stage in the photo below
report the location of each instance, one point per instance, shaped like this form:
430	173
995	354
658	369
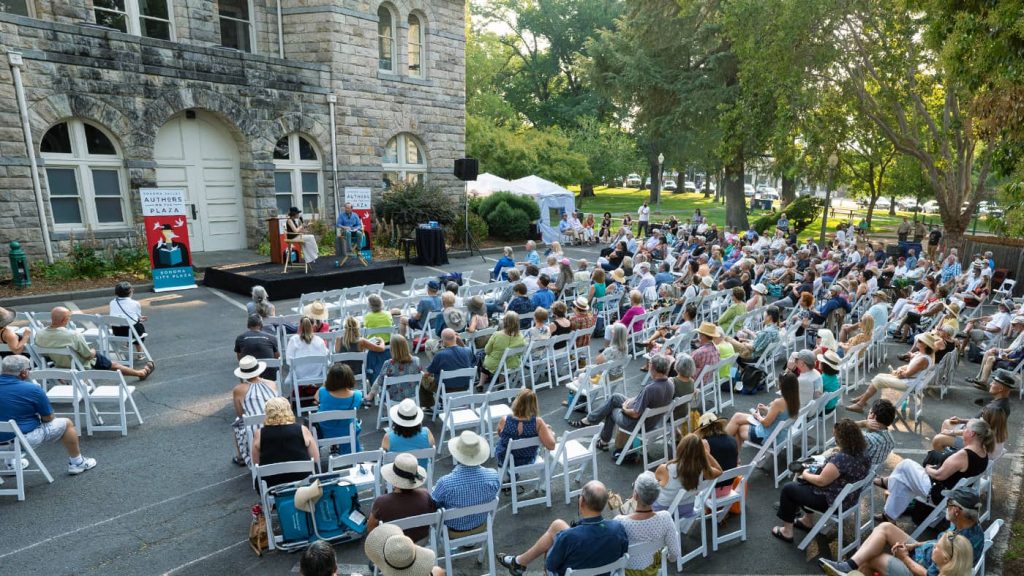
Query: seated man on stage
350	228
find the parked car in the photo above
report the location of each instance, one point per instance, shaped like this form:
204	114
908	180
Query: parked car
689	186
669	185
633	181
748	190
768	193
907	204
931	207
883	203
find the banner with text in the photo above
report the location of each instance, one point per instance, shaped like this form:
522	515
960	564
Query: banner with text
163	211
361	199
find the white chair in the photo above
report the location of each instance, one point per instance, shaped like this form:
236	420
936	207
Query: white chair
617	568
657	432
461	376
720	505
418	336
498	406
839	513
43	357
11	452
722	380
574	453
122	348
362	469
609	375
777	443
938	513
1005	289
252	423
63	387
990	537
985	490
387	399
481	544
508	376
536	474
418	286
108	387
687	510
704	386
420	454
314	370
349	358
560	359
430	520
538	365
264	471
328	442
462	412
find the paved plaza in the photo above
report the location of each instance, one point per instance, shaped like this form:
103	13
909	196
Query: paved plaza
167	499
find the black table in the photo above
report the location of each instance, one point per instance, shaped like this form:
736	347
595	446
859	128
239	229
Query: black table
430	248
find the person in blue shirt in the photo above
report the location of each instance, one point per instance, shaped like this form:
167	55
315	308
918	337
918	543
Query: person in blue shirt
26	403
835	301
783	223
911	259
451	357
663	276
543	297
349	226
589	542
430	302
505	261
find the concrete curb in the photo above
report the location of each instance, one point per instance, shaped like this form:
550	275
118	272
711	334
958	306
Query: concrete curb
75	295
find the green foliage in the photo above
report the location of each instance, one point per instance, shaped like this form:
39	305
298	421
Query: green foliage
475	200
526	204
478	228
508	223
410	204
610	152
85	261
1011	200
801	212
513	153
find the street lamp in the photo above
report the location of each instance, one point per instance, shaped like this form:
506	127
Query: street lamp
833	161
661	160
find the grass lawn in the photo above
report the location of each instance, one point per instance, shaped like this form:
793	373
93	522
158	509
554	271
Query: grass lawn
622	201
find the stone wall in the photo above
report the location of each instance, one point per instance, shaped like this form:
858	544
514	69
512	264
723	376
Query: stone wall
131	86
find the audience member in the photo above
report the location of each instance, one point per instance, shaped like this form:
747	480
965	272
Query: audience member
57	335
249	397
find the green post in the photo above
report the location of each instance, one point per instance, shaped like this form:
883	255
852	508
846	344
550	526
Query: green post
19	266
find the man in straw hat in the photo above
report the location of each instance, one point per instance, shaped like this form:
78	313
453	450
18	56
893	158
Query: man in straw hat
1008	358
395	554
903	377
468	484
407	498
1003	383
891	551
591	541
582	318
706	353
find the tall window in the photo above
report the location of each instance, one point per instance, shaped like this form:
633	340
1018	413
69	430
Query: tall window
85	174
415	46
385	40
404	160
149	18
296	175
236	24
19	7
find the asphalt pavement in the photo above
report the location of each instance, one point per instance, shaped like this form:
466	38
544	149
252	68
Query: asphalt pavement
166	499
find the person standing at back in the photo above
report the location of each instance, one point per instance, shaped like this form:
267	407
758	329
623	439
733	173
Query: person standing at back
643	216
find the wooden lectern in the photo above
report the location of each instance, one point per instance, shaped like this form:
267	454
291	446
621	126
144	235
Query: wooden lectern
275	233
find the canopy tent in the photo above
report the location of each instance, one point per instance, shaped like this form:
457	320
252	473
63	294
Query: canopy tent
487	184
551	198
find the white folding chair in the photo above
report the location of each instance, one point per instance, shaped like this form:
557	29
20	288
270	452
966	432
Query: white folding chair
538	365
362	469
462	412
481	544
252	422
418	286
938	513
418	336
720	505
43	357
11	452
704	386
316	366
574	453
777	443
985	490
560	359
349	358
463	378
687	510
990	537
108	387
427	454
328	442
504	373
609	375
63	387
722	380
648	435
535	475
389	399
430	520
839	513
264	471
498	406
617	568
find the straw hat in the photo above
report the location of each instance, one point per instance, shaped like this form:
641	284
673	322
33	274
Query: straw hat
6	317
581	304
760	288
469	449
830	358
707	281
316	310
405	472
952	308
249	367
618	275
395	554
406	413
927	338
708	418
306	497
708	329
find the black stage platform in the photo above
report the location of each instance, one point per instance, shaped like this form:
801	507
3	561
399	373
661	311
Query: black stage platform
240	278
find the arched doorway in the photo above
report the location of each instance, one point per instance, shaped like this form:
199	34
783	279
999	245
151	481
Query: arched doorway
196	152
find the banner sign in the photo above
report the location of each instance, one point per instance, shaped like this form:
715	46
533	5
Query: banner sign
163	211
360	198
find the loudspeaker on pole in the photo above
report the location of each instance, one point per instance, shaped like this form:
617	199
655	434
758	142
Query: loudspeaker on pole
467	169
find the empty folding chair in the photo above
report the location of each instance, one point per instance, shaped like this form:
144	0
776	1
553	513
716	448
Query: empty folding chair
305	371
422	454
534	475
362	469
462	412
719	506
499	405
481	544
574	453
252	423
538	364
108	387
617	568
462	380
11	463
722	380
560	360
63	387
652	428
985	489
704	385
838	513
351	440
990	537
600	382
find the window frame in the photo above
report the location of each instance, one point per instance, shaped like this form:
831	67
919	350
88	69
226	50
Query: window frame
393	43
133	17
403	168
421	43
251	25
296	167
82	163
30	10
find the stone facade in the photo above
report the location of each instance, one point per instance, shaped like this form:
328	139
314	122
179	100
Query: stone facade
130	86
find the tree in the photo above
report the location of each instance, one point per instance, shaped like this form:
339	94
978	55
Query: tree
514	153
609	151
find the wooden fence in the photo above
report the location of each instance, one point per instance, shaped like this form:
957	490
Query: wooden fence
1007	252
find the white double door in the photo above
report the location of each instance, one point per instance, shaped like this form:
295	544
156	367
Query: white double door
194	151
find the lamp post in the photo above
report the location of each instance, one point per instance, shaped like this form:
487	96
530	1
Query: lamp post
661	160
833	161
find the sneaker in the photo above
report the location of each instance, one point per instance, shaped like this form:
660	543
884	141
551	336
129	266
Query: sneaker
509	561
833	568
85	464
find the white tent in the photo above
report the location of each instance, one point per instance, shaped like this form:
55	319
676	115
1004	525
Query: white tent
487	184
551	198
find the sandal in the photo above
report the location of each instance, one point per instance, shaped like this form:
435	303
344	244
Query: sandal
777	532
237	461
147	370
882	482
579	423
798	524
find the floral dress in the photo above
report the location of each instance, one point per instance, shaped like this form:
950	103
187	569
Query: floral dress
401	391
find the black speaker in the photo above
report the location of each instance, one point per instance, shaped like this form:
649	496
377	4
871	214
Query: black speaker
466	169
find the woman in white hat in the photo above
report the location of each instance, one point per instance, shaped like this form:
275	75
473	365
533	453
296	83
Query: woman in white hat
407	431
904	377
249	396
395	554
407	497
758	292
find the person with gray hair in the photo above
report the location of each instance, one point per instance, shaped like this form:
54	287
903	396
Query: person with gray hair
624	413
589	542
260	303
644	525
682	382
26	403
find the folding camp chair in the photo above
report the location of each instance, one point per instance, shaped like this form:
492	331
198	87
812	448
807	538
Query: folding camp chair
265	471
11	452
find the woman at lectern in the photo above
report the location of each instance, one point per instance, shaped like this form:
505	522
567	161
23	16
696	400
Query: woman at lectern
295	231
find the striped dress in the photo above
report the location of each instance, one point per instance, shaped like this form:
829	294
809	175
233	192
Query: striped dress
254	403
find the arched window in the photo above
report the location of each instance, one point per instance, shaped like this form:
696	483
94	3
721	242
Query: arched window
385	40
296	175
415	46
404	160
85	175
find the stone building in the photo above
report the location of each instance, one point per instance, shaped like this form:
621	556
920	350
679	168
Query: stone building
231	100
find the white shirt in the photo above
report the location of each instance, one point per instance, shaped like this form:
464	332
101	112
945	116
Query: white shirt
531	283
811	386
551	271
998	320
298	349
841	236
644	213
126	308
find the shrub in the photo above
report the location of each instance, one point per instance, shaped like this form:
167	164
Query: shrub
800	212
85	261
475	201
411	204
508	223
514	201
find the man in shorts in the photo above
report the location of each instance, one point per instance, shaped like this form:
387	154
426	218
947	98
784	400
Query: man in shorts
889	550
26	403
57	335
